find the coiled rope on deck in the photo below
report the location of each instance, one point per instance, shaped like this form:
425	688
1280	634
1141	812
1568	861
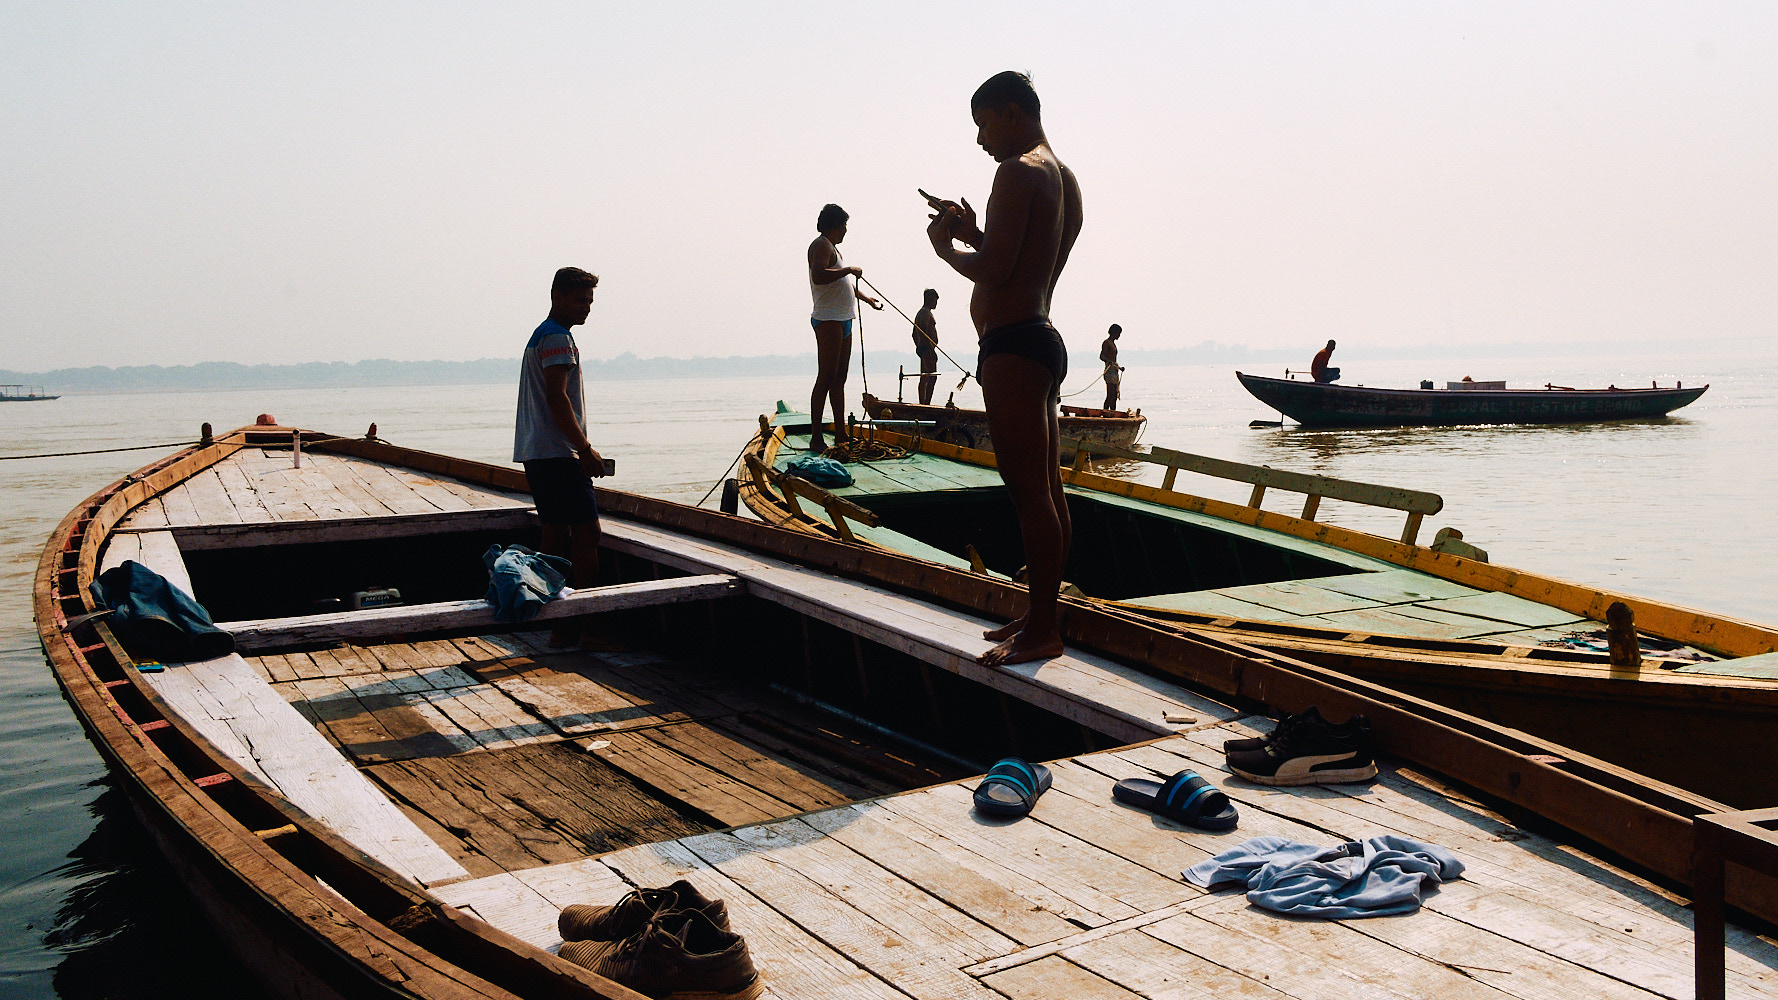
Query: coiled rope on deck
863	450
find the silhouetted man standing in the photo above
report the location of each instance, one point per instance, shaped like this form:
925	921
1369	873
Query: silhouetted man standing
1033	218
926	345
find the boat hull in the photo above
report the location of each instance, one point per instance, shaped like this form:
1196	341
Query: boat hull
1316	404
969	428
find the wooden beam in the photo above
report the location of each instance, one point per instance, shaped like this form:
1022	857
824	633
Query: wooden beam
228	536
356	626
1261	477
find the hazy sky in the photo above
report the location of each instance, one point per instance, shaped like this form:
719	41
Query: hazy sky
297	182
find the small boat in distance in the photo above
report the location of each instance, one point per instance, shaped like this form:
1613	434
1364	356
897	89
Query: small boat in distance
23	394
1328	404
969	428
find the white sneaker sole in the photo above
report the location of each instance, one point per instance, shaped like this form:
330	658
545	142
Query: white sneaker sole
1331	776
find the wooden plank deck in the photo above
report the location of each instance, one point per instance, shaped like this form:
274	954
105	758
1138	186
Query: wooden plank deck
255	486
914	895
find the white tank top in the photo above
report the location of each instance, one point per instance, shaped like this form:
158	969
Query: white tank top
835	301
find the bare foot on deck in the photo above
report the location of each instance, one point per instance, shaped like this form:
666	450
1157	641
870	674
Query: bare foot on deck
1022	648
817	445
1006	631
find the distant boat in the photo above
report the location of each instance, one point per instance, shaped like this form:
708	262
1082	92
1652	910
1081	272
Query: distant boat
23	394
1327	404
969	428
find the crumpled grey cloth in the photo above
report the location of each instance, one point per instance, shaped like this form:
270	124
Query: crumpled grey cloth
521	581
1378	877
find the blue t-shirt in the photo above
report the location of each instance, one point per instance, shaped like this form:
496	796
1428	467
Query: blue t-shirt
535	432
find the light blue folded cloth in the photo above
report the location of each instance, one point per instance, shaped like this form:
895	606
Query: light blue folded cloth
521	581
1378	877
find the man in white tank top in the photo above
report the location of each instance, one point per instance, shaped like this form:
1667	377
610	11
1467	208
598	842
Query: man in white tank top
836	295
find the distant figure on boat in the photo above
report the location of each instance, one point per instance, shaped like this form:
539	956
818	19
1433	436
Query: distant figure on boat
1318	369
550	439
926	346
1034	215
1114	372
836	297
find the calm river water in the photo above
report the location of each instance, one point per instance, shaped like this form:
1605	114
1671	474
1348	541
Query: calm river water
1676	509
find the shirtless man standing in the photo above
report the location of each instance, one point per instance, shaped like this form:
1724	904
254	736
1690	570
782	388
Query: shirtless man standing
1033	218
1114	372
926	346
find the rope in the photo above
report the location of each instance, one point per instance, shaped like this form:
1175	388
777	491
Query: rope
1094	382
967	374
859	450
102	451
725	472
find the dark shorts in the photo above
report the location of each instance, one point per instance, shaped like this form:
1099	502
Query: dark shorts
846	324
1035	339
562	492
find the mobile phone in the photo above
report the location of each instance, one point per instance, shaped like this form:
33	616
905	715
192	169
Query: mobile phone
933	200
610	466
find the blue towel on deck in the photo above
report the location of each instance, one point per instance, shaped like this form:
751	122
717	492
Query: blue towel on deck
1374	878
820	471
521	581
156	620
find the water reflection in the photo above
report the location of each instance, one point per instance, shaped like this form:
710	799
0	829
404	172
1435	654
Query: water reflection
128	930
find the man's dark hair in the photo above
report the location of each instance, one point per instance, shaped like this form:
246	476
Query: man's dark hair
1115	330
832	217
932	294
573	279
1006	88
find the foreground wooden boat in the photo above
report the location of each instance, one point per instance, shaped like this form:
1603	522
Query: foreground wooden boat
1514	647
396	801
1329	404
969	428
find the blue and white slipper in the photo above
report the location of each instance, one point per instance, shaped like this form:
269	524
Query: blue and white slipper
1011	787
1185	798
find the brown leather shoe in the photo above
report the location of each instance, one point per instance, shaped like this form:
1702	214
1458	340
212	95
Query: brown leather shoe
679	955
585	922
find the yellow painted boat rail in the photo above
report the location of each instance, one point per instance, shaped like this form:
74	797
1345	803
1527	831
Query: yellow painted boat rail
1416	503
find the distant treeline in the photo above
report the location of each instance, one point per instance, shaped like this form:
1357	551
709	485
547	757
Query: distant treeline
340	374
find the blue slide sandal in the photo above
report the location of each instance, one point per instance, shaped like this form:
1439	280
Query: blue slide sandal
1184	798
1011	787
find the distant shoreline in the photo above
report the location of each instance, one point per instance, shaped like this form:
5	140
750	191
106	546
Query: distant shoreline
228	375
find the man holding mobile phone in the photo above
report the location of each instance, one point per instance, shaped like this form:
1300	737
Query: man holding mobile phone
1033	217
550	437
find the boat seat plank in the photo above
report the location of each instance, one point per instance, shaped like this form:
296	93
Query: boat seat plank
1209	602
1390	622
1395	586
509	904
1116	700
1505	608
1297	597
342	626
275	742
157	550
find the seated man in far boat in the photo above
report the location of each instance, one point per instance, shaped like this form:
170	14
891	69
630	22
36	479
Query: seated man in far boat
1033	217
1318	369
1114	372
550	437
926	346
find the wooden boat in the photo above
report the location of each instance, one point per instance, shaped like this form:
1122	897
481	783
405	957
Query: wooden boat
24	394
396	801
969	428
1329	404
1517	648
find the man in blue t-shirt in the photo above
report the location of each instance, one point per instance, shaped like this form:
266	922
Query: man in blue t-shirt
550	436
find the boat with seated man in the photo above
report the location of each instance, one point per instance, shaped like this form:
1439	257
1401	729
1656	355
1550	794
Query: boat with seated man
1331	404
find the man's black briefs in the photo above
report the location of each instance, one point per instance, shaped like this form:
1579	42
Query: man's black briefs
562	491
1035	339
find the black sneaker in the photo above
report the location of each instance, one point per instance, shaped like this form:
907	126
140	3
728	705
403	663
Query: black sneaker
1261	742
1311	753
